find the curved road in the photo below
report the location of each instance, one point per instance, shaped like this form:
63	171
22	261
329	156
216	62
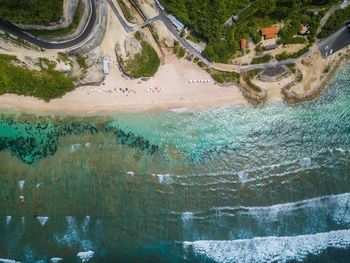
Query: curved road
14	30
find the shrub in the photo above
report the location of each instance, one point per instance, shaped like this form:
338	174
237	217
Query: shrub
45	84
260	60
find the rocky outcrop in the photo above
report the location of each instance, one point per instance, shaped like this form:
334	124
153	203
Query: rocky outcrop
252	96
94	74
69	9
291	96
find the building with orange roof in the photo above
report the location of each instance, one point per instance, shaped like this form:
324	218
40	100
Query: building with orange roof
243	44
269	32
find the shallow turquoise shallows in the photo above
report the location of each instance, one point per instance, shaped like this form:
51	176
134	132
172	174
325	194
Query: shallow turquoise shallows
242	184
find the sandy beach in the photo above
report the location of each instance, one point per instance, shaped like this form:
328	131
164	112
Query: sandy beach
173	91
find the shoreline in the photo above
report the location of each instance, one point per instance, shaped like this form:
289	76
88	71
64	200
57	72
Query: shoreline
65	106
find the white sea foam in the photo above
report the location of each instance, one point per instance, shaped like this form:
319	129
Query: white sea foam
71	236
163	178
187	217
74	147
8	219
42	220
85	225
86	256
337	205
4	260
130	173
179	110
270	249
242	176
56	260
21	184
305	162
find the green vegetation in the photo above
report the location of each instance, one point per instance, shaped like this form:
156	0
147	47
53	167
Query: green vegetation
195	38
260	60
207	18
335	22
291	67
144	64
225	77
64	31
179	51
61	56
40	12
248	79
126	11
81	60
297	54
45	84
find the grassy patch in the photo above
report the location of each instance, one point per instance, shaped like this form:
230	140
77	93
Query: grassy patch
64	31
179	51
291	67
260	60
194	38
61	56
144	64
248	79
45	84
285	55
81	60
225	77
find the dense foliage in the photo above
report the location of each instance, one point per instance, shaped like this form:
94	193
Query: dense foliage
31	11
44	84
335	22
208	18
63	31
144	64
225	77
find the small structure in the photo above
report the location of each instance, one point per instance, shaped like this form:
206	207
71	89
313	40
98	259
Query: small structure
243	44
176	23
105	63
160	6
312	12
269	32
273	74
270	47
305	29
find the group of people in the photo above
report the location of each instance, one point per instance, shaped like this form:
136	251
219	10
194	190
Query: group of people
154	89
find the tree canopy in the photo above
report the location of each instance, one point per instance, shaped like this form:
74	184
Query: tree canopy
31	11
207	18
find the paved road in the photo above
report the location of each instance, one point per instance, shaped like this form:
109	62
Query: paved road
335	42
127	28
14	30
161	17
176	34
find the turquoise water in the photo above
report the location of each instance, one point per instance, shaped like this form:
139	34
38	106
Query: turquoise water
240	184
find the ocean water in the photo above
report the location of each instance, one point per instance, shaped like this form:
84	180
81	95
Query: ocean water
241	184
